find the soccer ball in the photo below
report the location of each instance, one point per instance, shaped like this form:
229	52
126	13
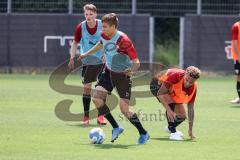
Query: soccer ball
96	136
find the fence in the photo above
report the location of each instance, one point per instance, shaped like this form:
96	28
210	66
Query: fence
157	8
43	40
205	42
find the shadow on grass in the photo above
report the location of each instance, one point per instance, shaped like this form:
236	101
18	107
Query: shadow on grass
167	139
85	126
112	146
235	106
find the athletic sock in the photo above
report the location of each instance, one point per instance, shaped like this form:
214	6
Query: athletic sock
171	125
178	120
104	110
238	89
86	104
135	121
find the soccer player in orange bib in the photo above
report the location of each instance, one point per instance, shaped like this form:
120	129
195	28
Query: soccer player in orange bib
235	37
174	88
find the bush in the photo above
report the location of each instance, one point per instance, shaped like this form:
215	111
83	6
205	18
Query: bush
167	55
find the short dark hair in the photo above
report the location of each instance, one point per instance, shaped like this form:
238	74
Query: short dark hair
110	19
90	7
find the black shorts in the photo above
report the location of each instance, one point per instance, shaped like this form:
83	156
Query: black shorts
109	80
154	87
90	73
237	67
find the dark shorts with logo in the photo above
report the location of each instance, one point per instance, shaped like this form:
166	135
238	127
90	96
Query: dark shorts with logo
237	67
110	80
91	73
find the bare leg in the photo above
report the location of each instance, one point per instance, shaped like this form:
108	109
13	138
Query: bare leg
132	117
99	96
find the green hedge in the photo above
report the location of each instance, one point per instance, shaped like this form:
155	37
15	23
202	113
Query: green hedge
167	55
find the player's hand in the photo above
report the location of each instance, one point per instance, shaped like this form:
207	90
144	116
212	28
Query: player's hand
71	64
170	115
128	72
191	134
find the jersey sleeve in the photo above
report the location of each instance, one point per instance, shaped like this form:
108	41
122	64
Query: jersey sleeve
126	46
234	32
78	33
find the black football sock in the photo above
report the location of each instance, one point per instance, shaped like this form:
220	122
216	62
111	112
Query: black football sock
104	110
171	125
86	104
238	89
135	121
178	120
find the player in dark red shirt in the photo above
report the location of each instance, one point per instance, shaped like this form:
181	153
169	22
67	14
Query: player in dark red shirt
173	88
87	33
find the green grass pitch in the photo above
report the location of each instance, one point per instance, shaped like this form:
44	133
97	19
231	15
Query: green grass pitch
30	130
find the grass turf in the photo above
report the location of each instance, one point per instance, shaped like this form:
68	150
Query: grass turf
30	130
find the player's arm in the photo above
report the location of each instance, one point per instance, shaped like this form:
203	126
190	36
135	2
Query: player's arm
162	92
190	119
134	68
72	54
73	49
235	48
74	45
165	103
234	38
94	49
122	42
136	65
